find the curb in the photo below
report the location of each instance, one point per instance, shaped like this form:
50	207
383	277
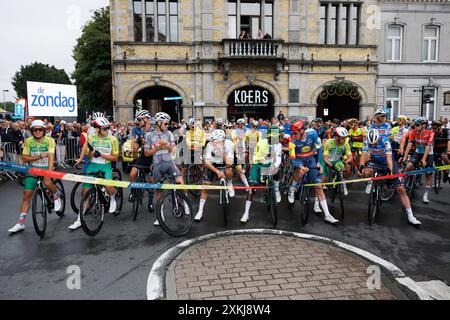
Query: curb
156	287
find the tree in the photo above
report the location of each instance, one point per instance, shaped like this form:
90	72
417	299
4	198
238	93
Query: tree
37	72
92	54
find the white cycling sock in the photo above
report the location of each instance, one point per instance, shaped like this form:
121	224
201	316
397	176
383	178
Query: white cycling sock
427	190
201	206
277	185
324	205
409	211
247	207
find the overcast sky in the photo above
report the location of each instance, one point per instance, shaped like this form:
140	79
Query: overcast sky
45	31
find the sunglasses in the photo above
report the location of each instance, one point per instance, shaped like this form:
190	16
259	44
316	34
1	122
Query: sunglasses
166	123
104	129
382	116
38	130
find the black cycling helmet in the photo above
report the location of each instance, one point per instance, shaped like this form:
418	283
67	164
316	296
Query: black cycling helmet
436	123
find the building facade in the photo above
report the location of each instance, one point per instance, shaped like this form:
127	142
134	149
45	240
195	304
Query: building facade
305	58
414	55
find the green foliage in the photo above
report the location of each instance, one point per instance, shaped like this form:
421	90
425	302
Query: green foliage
37	72
9	106
92	54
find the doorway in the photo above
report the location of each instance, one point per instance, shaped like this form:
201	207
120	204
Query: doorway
336	104
152	99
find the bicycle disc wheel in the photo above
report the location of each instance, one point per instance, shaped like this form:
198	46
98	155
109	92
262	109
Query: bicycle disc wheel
306	204
39	211
171	214
194	177
273	207
62	195
75	197
373	202
92	213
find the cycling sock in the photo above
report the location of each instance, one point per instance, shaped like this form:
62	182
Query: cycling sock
277	185
324	205
244	180
201	206
22	218
247	207
427	190
292	188
230	183
409	211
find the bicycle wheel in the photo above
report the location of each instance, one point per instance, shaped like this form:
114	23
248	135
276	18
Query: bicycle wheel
137	201
92	213
409	186
39	211
224	202
62	195
119	199
171	214
75	197
387	192
194	177
437	181
373	202
340	193
273	205
305	200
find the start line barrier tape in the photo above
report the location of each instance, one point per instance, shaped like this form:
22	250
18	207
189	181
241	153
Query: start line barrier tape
160	186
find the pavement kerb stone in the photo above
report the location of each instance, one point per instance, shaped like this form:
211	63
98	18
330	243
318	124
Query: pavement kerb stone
162	274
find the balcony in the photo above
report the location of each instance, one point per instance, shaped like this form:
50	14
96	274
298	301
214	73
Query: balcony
250	49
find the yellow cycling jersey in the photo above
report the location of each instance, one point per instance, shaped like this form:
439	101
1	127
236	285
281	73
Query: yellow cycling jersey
33	147
196	138
252	137
357	137
108	145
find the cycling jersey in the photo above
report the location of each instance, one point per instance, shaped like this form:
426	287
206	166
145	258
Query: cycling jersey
264	153
33	147
108	145
356	137
305	148
195	138
287	129
405	140
384	129
379	150
422	140
321	133
399	133
230	134
441	141
335	151
252	137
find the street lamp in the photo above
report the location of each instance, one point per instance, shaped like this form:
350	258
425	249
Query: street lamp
4	100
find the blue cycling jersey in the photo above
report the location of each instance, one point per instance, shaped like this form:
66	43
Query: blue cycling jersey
312	142
379	150
384	129
287	129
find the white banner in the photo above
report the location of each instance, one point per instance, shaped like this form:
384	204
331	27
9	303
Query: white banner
52	100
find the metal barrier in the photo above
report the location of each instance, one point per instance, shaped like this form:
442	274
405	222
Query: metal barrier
8	152
68	152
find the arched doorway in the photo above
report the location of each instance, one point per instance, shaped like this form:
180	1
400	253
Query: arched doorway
339	100
252	101
153	100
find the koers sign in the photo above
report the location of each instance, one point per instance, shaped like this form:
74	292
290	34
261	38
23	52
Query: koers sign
251	98
52	100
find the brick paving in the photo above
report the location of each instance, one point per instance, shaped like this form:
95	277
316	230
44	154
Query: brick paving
260	267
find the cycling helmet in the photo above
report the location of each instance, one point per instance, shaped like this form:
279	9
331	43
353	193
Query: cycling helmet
191	123
162	116
218	135
241	121
424	120
436	123
228	125
342	132
96	115
37	123
401	117
380	112
101	123
255	123
142	114
219	121
372	136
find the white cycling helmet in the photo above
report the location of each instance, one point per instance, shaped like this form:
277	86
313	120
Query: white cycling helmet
101	123
143	114
218	135
255	123
37	123
191	123
228	125
342	132
372	136
96	115
241	121
162	116
379	112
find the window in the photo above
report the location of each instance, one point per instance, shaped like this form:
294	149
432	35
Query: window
430	44
393	102
430	107
137	10
256	18
394	43
339	23
160	25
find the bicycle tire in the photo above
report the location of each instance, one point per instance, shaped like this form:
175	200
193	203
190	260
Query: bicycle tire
137	194
119	199
62	195
194	177
341	200
273	206
72	198
387	192
39	209
437	181
95	207
224	201
306	204
160	215
373	203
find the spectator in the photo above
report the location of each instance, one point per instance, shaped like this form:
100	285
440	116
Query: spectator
4	127
260	35
267	36
16	137
49	129
280	116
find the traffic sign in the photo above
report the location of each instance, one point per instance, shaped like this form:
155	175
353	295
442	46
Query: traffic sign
173	98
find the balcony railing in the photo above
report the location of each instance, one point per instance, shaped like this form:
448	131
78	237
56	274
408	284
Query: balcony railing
240	48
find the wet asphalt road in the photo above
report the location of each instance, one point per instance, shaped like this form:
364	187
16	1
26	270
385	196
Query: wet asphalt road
116	264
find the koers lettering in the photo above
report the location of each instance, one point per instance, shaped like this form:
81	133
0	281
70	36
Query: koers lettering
251	96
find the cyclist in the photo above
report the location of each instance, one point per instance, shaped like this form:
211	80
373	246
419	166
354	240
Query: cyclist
105	150
337	155
160	144
441	145
195	138
218	153
251	138
423	140
39	152
399	132
240	137
356	135
302	152
378	150
318	126
138	134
